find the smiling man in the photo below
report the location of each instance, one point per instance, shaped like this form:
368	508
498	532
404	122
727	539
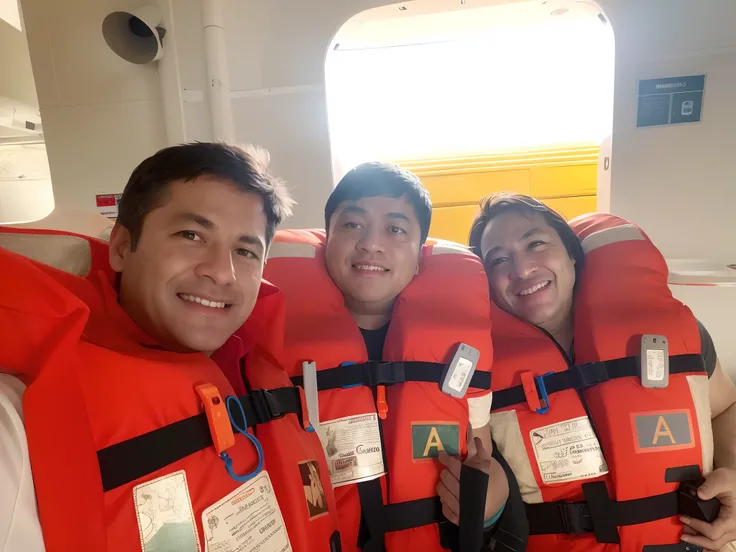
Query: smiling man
577	309
133	371
381	313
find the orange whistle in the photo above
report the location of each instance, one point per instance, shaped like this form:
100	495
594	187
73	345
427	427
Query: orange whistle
381	403
217	417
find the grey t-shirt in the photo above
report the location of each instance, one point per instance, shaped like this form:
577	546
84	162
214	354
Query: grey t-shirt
707	349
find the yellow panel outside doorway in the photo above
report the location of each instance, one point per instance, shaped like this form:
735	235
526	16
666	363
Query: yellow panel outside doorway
564	178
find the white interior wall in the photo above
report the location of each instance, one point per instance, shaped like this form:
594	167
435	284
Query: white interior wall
102	115
15	66
681	170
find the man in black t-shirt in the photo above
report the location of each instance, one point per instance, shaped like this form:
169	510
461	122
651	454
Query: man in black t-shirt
377	220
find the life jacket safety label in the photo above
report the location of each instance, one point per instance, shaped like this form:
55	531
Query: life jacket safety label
660	431
568	451
352	446
163	508
428	440
249	518
314	492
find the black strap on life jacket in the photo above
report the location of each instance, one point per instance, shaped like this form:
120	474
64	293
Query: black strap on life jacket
377	518
600	515
373	373
511	531
509	534
582	376
139	456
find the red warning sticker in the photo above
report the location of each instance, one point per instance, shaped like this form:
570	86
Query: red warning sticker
107	205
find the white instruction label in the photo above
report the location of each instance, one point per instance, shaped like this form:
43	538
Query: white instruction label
165	517
655	365
568	451
249	518
353	448
460	374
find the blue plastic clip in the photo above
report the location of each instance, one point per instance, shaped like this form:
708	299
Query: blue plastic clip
243	431
350	363
543	392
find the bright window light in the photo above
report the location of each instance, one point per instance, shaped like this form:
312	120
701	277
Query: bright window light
510	88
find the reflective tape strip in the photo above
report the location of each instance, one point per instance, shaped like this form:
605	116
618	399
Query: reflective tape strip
300	250
626	232
479	410
443	247
68	253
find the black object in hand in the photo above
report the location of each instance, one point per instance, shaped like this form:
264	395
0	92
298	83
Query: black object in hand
693	506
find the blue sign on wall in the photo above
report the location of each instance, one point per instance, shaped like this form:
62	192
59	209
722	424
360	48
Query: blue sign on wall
670	101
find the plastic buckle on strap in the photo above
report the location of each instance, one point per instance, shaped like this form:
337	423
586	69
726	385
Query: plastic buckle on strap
265	406
535	391
575	517
349	363
589	374
217	417
539	380
387	373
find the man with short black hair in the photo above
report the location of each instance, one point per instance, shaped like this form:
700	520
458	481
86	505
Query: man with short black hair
137	439
409	302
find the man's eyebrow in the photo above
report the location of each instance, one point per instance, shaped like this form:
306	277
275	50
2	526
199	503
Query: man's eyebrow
204	222
491	250
400	216
249	239
530	233
353	209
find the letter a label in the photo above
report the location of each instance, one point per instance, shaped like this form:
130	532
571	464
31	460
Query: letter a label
659	431
428	440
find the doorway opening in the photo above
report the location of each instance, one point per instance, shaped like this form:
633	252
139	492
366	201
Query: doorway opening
474	100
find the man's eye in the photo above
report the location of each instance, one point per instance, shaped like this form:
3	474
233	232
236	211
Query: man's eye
246	253
189	235
396	230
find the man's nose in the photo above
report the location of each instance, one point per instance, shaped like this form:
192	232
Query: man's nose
371	241
217	265
523	265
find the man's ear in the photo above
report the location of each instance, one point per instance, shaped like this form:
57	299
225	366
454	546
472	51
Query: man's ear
419	260
120	246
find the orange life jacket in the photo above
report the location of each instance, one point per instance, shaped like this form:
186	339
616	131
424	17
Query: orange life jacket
651	438
430	318
126	443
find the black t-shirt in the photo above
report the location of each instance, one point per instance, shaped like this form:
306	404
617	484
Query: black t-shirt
374	340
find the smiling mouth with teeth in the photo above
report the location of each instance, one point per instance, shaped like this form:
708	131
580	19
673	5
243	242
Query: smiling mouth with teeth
371	268
204	302
534	289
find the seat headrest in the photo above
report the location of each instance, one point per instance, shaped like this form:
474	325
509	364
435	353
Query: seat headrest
71	254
